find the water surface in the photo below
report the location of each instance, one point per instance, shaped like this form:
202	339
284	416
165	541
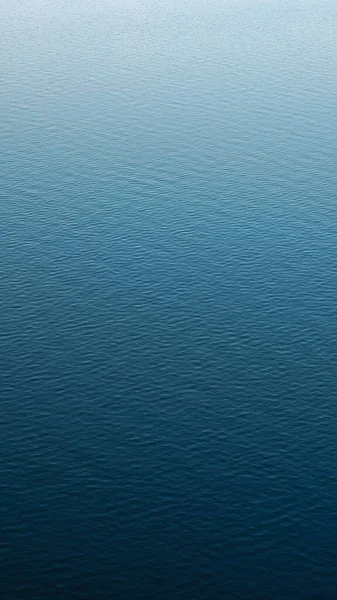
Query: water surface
168	299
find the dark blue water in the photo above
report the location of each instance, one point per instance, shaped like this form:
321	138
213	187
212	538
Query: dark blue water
168	299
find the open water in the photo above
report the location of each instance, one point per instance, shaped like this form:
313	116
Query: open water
168	299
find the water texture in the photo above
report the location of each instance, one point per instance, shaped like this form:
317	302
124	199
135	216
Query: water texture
168	299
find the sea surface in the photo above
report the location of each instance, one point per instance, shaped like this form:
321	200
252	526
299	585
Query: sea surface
168	299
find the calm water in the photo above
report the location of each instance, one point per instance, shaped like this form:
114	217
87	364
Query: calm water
168	299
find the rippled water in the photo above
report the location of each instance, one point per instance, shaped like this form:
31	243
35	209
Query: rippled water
168	299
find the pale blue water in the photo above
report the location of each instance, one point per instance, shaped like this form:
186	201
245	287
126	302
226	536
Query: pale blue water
168	299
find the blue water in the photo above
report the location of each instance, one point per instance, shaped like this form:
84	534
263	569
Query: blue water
168	299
